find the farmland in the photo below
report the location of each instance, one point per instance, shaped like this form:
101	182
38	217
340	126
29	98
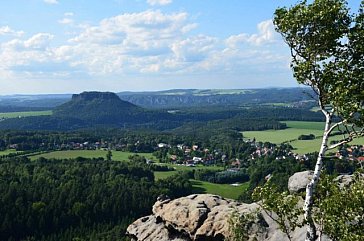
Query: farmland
291	134
8	115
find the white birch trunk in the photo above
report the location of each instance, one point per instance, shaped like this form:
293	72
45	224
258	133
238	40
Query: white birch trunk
311	234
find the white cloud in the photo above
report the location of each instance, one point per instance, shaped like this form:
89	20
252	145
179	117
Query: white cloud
51	1
66	21
159	2
69	14
6	30
39	41
266	34
149	43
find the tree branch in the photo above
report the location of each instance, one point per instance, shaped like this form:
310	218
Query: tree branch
351	136
336	125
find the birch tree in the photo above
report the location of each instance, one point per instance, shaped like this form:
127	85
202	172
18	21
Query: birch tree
327	50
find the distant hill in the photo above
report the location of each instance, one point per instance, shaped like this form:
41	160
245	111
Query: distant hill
98	108
296	97
177	98
89	109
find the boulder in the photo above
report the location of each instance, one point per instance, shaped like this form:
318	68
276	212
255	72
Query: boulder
298	181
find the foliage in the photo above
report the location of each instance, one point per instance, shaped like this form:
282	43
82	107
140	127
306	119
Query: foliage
307	137
340	208
240	225
80	198
280	206
327	52
224	177
279	169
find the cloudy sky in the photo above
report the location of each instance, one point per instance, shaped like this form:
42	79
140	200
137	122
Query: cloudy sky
68	46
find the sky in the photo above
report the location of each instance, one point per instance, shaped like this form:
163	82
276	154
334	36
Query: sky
70	46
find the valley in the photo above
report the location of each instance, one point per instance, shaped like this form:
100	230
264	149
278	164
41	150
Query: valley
96	145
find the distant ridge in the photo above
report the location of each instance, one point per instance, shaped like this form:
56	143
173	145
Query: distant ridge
173	98
217	97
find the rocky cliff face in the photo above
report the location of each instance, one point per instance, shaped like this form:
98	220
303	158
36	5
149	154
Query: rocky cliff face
205	217
202	217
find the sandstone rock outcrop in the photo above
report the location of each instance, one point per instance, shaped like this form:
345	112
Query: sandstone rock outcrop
202	217
298	181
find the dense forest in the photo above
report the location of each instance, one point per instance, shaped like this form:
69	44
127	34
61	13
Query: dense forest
81	199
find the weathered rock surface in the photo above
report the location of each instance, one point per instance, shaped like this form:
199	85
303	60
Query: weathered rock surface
298	181
202	217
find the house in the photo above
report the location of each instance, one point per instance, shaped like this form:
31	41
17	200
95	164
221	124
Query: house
162	145
197	159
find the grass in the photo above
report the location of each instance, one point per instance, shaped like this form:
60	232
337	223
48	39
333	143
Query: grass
291	134
7	152
8	115
224	190
164	175
116	155
293	131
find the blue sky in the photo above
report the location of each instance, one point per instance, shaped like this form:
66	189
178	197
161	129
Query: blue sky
68	46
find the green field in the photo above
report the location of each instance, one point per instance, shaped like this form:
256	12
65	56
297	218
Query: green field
7	152
116	155
24	114
224	190
291	134
164	175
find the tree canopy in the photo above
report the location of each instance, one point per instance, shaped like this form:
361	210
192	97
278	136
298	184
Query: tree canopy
326	43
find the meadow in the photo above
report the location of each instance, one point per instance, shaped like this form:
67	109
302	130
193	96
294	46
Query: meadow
24	114
224	190
7	152
291	134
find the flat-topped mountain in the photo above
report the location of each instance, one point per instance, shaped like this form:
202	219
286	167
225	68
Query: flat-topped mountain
90	109
97	106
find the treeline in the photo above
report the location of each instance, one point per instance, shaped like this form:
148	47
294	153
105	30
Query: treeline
77	199
221	177
110	116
